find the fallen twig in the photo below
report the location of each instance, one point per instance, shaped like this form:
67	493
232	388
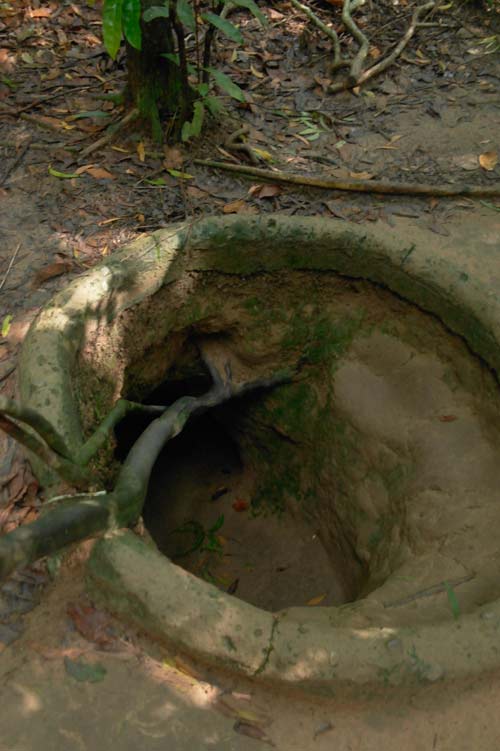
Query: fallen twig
355	186
16	162
364	45
111	132
330	32
11	263
389	60
434	590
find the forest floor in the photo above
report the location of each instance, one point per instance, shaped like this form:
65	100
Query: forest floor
433	117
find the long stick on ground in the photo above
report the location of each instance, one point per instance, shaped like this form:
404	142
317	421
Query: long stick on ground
355	186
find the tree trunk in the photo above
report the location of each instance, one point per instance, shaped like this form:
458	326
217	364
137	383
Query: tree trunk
157	86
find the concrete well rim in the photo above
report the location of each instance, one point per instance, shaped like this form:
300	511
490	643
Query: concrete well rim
290	651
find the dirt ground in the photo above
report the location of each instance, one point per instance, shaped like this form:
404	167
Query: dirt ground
70	676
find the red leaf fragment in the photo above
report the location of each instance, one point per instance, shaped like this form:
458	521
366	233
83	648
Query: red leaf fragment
240	505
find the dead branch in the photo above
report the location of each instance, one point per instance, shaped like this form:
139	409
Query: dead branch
357	76
76	518
356	186
390	59
364	45
330	32
111	132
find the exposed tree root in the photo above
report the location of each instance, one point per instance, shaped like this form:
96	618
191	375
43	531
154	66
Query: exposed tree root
75	518
358	75
356	186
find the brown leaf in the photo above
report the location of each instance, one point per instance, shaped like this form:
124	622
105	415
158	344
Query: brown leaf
361	175
264	191
174	158
234	207
252	731
100	173
91	623
51	271
316	600
40	13
240	505
194	192
448	418
488	160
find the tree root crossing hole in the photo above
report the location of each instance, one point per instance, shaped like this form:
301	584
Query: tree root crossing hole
371	476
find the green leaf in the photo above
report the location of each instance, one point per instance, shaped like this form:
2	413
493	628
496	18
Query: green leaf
180	175
84	671
452	599
89	113
227	28
214	105
8	82
112	26
193	129
157	181
172	56
201	88
226	84
252	7
157	11
6	325
185	14
62	175
218	524
131	20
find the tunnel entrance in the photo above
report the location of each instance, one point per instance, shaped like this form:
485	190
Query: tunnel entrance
201	512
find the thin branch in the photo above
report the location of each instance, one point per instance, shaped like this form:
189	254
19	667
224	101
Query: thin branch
330	32
435	589
356	186
111	133
100	436
17	161
14	256
364	45
389	60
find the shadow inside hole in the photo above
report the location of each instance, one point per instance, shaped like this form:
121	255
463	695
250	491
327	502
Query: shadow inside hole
199	512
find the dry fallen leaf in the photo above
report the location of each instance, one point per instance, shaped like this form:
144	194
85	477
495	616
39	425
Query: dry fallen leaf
257	73
51	271
361	175
264	191
488	160
141	151
316	600
234	207
40	13
100	173
252	731
174	158
91	623
240	505
466	161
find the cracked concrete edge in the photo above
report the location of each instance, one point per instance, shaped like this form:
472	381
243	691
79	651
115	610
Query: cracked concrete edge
139	585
